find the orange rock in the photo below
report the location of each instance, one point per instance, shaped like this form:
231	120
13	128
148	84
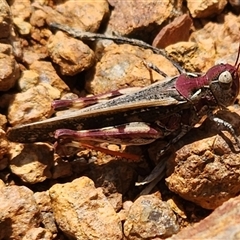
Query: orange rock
19	212
203	9
31	162
71	55
205	170
82	211
138	18
122	66
223	223
150	218
176	31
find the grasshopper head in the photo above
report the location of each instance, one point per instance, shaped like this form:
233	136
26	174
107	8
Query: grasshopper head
224	82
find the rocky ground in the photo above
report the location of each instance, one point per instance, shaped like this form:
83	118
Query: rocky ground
93	195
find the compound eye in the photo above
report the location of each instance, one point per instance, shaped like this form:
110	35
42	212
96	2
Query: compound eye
225	77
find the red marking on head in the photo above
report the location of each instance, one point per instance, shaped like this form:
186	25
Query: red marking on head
187	85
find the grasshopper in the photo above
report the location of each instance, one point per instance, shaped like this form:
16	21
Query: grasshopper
164	110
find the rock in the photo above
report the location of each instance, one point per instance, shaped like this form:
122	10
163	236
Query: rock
31	162
16	48
4	149
96	12
9	72
203	9
235	5
38	234
176	31
44	204
150	218
3	121
223	223
28	79
176	205
38	18
29	106
24	27
82	211
221	34
141	19
186	54
85	15
30	56
19	212
41	37
6	49
78	209
47	74
2	184
5	19
61	169
115	178
71	55
21	9
12	48
205	169
208	45
122	66
123	213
